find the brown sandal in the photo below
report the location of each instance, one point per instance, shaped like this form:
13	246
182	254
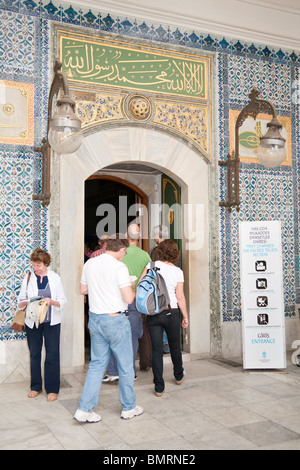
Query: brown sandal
34	393
52	397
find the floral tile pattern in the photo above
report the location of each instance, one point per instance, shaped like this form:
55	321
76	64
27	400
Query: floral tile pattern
17	50
271	78
16	226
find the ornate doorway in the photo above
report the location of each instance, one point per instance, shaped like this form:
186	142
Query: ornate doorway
174	159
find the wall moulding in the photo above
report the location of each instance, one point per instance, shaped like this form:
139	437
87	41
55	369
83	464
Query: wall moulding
272	22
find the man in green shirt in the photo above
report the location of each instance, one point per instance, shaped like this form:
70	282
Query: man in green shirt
135	259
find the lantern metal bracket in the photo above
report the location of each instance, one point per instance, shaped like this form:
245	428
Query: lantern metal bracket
232	163
59	82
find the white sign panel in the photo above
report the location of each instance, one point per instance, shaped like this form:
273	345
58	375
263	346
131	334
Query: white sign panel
262	295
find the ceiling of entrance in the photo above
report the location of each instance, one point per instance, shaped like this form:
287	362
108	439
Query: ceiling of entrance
132	168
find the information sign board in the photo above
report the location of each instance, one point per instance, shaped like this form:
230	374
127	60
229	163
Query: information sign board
262	295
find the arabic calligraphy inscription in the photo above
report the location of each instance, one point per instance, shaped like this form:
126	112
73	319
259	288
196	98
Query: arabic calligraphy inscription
129	67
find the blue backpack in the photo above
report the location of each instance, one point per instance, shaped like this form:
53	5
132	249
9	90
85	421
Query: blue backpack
151	293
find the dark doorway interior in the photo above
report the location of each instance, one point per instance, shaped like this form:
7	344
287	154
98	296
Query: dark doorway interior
102	191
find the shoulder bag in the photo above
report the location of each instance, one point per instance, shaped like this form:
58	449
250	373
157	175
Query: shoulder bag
18	323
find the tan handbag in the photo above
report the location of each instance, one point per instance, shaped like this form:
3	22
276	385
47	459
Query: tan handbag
18	323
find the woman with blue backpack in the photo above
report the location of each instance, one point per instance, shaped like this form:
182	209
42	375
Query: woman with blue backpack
167	319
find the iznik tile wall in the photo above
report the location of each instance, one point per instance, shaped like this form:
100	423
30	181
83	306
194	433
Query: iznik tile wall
265	194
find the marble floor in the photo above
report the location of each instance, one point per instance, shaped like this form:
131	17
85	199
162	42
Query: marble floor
218	406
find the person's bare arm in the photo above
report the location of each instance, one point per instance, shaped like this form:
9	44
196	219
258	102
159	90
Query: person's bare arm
49	301
83	289
182	304
127	294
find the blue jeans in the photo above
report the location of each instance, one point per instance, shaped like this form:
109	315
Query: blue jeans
136	325
109	333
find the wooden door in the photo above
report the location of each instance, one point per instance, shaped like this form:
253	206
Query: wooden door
171	203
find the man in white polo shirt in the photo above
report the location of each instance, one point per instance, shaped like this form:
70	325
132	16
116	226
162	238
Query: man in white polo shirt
106	280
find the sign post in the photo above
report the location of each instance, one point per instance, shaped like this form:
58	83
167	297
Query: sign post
262	295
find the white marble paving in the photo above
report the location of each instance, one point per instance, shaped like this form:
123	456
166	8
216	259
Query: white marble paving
218	406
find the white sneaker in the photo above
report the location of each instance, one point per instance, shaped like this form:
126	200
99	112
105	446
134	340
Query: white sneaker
110	378
85	416
138	410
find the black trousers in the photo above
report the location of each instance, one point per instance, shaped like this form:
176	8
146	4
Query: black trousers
170	321
145	347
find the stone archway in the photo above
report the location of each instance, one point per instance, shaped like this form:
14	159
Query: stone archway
132	144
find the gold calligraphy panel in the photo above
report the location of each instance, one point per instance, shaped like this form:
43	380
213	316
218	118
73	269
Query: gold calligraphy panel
16	113
127	66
